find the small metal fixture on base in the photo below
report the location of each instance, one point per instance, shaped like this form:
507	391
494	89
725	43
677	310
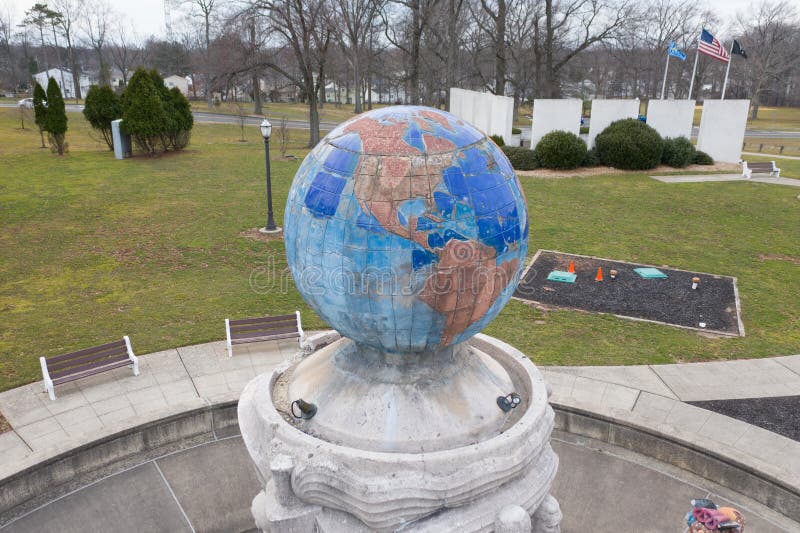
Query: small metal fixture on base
307	410
509	402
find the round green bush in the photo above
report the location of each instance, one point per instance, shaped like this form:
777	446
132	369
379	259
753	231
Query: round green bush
561	149
702	158
678	152
629	144
102	105
591	159
521	158
498	140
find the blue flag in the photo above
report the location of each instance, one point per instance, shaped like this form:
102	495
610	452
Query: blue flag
674	52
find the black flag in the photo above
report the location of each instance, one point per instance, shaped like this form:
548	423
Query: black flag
737	49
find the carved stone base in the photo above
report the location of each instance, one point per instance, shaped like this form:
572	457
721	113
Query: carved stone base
485	486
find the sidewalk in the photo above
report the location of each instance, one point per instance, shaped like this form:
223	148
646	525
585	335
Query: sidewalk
177	380
169	382
704	178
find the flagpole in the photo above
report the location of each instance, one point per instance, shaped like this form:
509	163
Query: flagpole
727	70
664	83
694	70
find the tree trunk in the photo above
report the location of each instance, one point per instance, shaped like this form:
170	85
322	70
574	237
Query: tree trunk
500	49
452	44
548	89
257	107
416	36
357	81
208	60
313	118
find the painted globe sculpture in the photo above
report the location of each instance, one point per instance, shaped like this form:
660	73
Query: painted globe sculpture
406	229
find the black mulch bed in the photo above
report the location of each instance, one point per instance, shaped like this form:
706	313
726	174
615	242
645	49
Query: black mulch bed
778	414
669	300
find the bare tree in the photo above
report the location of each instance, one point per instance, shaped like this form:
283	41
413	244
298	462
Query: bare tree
771	44
70	12
303	26
354	20
206	8
95	27
570	28
125	51
283	136
420	14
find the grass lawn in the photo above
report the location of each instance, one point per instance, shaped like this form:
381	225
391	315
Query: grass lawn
791	146
769	118
329	112
93	248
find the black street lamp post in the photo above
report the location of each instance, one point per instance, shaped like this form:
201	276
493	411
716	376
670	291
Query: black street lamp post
266	131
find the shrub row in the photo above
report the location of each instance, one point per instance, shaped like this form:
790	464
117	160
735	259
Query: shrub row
158	119
625	144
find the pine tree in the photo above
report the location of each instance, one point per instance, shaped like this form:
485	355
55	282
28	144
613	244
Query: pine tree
157	118
102	106
143	115
40	109
56	121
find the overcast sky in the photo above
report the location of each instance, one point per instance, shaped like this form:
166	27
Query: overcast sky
146	17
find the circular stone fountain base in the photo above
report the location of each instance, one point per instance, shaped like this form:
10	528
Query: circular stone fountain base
326	475
413	402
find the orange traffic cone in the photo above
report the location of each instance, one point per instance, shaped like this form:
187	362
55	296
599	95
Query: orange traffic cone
571	268
599	276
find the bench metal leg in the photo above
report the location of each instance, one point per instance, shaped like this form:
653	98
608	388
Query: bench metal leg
300	327
228	337
133	358
48	383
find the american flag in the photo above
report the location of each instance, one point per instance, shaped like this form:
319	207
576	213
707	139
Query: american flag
710	46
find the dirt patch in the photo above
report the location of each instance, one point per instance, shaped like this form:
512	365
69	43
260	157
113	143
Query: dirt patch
670	300
780	257
600	171
254	235
4	425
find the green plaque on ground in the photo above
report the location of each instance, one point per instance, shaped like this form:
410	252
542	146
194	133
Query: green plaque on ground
563	277
650	273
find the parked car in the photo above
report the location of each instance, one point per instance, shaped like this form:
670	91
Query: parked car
26	103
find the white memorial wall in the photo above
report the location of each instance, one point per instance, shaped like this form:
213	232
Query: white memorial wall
492	114
552	115
671	118
604	112
722	128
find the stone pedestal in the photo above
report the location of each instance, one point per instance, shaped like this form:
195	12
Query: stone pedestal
319	472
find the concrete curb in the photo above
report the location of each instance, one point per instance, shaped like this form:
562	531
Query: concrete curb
63	469
33	486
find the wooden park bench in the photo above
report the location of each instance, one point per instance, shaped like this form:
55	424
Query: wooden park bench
765	167
60	369
265	328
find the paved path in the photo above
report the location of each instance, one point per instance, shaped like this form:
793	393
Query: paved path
704	178
180	379
209	487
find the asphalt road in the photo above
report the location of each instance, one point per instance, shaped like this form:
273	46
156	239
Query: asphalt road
219	118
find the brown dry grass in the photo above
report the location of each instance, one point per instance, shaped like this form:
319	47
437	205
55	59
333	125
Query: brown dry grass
601	171
4	425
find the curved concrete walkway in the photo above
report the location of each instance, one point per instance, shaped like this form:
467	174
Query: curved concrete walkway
209	488
177	380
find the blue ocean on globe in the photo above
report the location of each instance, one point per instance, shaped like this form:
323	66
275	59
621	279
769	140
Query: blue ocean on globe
406	229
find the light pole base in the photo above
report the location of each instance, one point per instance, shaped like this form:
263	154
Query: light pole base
266	231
